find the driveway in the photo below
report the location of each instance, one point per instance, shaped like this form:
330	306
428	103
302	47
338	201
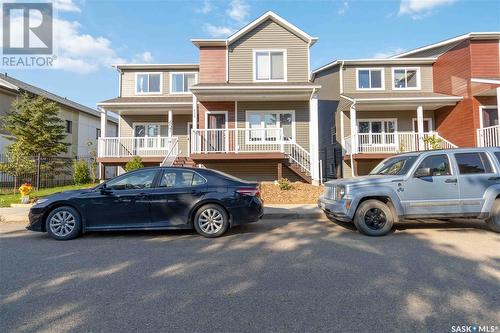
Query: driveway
275	275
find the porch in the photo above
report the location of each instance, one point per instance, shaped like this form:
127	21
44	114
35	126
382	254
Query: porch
486	92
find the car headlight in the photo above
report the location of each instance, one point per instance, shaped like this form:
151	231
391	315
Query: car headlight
39	201
340	191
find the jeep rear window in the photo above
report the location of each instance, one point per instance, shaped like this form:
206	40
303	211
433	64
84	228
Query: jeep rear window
398	165
470	163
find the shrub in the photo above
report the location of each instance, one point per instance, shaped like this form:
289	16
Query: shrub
81	172
284	184
433	141
133	164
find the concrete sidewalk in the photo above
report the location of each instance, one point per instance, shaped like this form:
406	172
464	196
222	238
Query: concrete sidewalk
20	214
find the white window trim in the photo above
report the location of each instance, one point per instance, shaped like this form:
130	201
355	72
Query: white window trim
183	78
481	108
431	125
149	93
247	126
146	124
382	77
254	65
419	80
215	112
370	120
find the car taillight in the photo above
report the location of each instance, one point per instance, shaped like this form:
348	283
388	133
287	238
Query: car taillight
250	191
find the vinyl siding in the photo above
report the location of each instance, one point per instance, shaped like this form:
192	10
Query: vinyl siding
268	35
301	109
128	82
350	79
253	171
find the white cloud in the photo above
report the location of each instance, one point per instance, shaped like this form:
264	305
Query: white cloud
144	57
387	54
420	8
218	31
238	10
343	8
66	6
205	8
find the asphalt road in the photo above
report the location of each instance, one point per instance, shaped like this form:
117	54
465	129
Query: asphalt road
275	275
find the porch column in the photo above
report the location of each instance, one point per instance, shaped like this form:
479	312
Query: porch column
354	135
170	125
195	114
420	127
104	117
314	138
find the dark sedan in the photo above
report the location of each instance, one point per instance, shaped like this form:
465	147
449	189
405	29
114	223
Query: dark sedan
158	198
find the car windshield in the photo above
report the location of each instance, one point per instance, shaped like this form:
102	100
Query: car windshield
398	165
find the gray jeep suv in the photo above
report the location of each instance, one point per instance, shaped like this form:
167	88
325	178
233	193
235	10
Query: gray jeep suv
438	184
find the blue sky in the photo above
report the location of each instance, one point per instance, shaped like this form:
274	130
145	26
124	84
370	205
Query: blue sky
94	34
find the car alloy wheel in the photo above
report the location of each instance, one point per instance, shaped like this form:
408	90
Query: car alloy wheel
211	221
375	219
62	223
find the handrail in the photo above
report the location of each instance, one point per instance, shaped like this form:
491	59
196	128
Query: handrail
488	136
172	154
135	146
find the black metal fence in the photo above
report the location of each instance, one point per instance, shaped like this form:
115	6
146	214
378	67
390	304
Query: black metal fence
46	172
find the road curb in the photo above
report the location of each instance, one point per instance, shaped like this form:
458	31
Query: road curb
292	215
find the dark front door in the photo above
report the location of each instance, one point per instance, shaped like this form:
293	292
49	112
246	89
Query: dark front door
124	203
177	192
216	140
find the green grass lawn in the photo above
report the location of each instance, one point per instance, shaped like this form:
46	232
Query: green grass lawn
7	199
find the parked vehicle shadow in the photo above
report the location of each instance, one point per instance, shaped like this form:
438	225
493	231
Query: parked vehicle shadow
298	275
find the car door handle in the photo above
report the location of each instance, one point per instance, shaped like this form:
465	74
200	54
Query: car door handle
451	180
494	178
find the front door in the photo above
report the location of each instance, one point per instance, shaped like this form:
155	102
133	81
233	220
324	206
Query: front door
216	136
434	194
126	202
489	116
177	192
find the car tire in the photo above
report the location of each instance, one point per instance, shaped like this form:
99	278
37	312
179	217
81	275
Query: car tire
211	221
493	221
373	218
63	223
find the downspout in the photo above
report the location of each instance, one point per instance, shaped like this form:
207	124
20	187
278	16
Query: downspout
353	139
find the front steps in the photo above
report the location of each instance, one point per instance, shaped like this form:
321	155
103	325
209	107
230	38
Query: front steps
298	170
182	161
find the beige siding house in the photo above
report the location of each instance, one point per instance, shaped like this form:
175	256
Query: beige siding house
248	108
83	124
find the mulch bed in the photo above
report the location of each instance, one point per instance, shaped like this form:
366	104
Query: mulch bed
301	193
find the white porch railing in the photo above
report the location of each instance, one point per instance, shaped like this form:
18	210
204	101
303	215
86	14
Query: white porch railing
397	142
488	136
135	146
172	154
248	140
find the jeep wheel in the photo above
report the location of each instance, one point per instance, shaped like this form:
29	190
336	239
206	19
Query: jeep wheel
373	218
494	220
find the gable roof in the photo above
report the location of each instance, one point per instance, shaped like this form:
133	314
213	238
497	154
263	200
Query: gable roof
252	25
450	42
18	86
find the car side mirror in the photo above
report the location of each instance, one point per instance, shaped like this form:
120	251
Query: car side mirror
105	190
423	172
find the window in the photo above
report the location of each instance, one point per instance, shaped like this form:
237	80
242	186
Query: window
148	83
370	78
137	180
181	178
97	133
180	83
489	116
398	165
270	65
376	131
497	155
439	165
69	126
150	130
267	124
471	163
406	78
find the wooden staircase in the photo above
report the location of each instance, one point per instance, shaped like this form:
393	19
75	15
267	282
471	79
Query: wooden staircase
298	170
183	161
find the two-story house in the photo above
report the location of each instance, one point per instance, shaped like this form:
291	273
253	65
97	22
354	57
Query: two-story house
422	99
248	108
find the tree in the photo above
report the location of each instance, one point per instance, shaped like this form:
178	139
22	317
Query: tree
133	164
81	173
18	163
34	125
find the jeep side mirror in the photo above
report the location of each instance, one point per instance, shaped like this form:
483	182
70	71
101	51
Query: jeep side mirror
423	172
